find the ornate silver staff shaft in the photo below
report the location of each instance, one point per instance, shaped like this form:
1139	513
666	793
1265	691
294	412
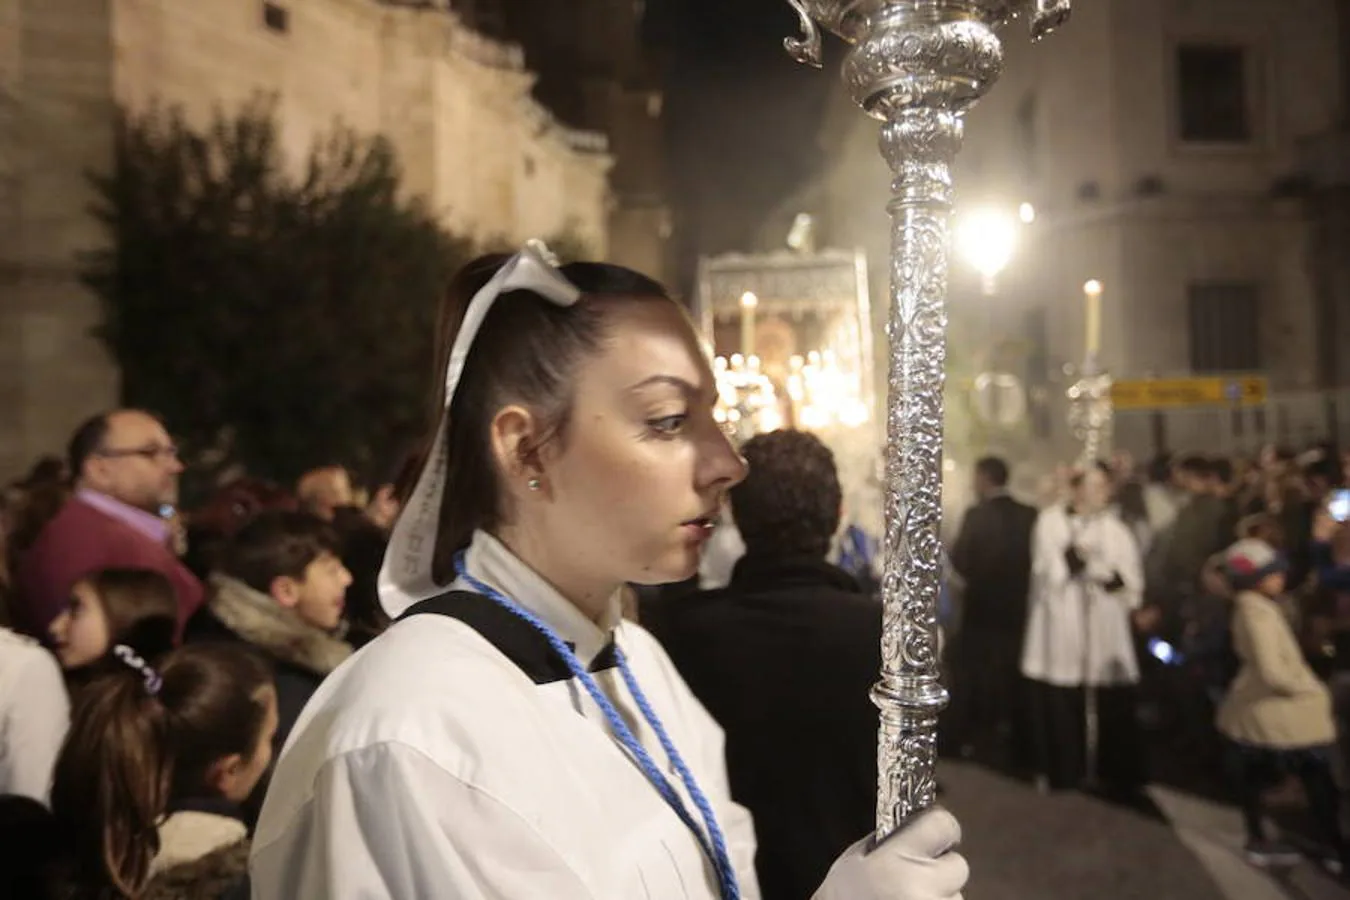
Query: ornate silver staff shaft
918	65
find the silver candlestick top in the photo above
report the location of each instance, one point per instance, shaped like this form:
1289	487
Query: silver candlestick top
918	65
1090	414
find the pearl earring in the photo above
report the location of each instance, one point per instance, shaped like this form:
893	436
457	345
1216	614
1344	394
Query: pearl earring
534	484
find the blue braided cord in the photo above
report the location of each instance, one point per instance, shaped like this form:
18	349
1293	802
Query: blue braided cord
721	858
717	853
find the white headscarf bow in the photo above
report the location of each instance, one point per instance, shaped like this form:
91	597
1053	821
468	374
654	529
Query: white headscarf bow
406	574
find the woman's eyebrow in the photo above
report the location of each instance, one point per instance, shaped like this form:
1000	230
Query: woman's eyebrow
685	386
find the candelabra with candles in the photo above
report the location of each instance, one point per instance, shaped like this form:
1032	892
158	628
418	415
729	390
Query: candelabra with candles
747	402
918	65
817	395
821	396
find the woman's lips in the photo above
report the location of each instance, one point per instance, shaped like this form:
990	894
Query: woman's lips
699	529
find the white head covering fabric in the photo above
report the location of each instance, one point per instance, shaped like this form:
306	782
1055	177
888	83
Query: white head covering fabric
406	574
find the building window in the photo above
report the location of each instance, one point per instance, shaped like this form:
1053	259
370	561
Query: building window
1213	94
276	17
1225	328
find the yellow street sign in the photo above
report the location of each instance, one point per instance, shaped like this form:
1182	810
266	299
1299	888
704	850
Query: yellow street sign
1180	393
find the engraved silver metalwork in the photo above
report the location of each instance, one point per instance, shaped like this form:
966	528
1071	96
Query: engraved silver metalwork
1091	413
917	65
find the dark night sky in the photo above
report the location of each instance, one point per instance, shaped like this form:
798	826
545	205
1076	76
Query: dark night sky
742	117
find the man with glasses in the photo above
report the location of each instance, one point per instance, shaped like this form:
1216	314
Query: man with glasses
125	469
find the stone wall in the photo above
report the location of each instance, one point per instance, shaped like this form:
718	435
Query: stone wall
483	154
457	106
55	102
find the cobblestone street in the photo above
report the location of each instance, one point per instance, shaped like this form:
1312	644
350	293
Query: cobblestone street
1025	846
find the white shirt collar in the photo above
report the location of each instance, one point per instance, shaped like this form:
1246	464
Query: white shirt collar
488	560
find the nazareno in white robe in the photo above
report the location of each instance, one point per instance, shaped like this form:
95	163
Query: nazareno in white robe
454	761
1057	632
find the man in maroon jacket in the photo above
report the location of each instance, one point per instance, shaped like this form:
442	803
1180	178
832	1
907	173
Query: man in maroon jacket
126	471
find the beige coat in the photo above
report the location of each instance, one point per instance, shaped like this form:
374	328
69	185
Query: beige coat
1276	701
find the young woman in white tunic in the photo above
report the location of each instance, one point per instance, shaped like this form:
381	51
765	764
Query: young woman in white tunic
510	736
1079	654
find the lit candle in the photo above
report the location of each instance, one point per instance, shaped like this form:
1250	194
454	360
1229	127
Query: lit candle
1092	296
748	304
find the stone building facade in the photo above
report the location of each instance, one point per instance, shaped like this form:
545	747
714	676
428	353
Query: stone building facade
458	106
597	72
1164	146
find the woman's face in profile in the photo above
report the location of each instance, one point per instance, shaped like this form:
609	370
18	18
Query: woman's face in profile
640	475
80	634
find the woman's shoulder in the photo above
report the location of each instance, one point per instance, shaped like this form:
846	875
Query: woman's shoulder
1053	517
421	671
16	647
218	874
1257	609
23	659
1112	523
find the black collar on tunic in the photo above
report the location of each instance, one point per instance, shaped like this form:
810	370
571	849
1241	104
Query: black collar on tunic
514	638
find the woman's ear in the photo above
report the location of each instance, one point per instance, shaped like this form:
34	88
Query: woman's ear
515	434
222	775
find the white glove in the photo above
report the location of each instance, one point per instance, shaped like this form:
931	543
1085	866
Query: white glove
915	863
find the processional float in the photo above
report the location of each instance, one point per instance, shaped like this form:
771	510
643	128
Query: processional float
918	66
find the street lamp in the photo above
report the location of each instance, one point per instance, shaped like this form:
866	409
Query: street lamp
987	238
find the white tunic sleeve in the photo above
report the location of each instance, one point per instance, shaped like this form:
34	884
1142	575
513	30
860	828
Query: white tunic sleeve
387	822
34	718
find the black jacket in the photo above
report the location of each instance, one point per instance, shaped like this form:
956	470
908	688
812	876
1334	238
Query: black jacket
784	658
295	684
993	556
300	654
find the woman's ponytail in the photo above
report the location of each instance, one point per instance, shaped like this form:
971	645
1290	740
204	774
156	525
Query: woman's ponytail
140	736
112	778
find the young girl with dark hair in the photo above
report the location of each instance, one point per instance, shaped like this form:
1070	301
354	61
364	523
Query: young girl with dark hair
154	759
511	735
134	607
